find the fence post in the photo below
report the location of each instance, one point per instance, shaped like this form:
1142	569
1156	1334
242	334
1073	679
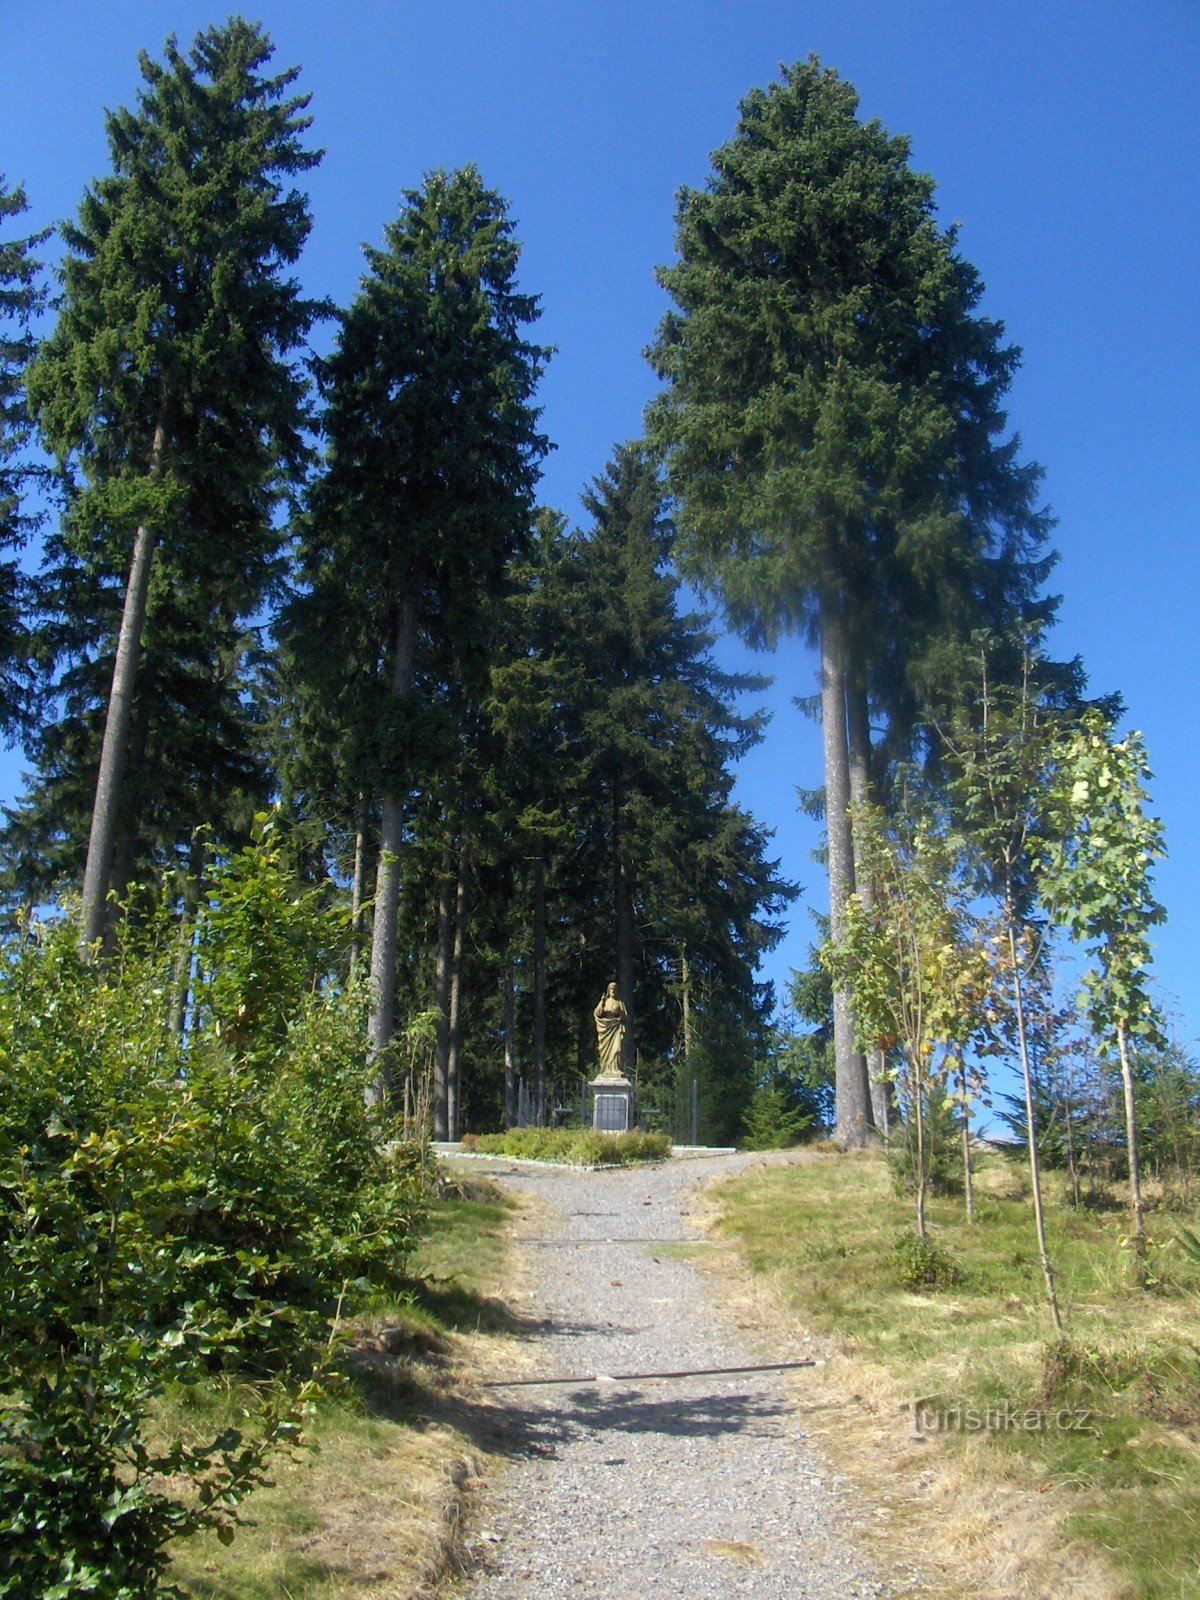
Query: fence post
695	1111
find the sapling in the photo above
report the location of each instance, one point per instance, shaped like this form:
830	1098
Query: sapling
910	959
998	758
1095	872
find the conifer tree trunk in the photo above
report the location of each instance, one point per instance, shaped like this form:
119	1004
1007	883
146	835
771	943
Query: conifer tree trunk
182	974
623	888
585	1025
539	980
852	1091
454	1057
685	985
125	838
118	884
97	871
625	965
441	996
510	1040
381	1023
859	737
585	1039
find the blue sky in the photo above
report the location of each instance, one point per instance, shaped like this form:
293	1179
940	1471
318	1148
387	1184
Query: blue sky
1063	135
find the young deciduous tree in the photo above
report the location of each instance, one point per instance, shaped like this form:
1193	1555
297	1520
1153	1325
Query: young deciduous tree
999	761
912	957
170	389
833	429
1095	876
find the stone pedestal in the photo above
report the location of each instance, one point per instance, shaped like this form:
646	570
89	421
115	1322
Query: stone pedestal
612	1104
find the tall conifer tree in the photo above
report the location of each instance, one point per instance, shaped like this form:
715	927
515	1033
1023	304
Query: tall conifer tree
21	297
171	393
832	429
433	451
619	732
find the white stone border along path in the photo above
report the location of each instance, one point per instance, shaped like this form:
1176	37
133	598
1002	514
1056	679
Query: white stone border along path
699	1487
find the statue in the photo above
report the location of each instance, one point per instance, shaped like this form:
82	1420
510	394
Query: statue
611	1020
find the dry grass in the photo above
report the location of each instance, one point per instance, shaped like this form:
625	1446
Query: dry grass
1104	1516
746	1555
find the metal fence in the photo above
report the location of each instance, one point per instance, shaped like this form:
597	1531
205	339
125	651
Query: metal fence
566	1103
674	1110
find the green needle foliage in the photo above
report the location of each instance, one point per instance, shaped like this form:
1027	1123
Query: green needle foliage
172	394
21	297
833	430
618	732
432	454
831	416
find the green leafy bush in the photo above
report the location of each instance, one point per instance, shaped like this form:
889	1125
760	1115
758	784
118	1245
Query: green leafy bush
579	1146
922	1264
173	1208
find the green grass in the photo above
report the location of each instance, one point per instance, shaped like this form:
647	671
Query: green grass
577	1146
836	1240
364	1512
459	1267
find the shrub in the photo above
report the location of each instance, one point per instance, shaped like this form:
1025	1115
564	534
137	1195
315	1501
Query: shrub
773	1120
922	1264
577	1146
943	1149
172	1208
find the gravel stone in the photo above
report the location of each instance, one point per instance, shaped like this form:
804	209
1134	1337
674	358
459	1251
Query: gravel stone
704	1488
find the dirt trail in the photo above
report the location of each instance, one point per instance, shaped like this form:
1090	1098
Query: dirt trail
701	1486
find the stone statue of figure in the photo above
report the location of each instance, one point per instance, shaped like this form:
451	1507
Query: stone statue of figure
611	1021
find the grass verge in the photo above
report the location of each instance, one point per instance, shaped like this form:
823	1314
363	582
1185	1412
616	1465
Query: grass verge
376	1507
582	1147
1035	1466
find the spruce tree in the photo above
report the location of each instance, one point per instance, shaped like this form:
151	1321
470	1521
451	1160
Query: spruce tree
832	429
21	297
432	456
619	733
172	395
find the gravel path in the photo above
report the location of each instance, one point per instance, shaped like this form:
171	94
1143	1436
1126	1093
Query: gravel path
701	1487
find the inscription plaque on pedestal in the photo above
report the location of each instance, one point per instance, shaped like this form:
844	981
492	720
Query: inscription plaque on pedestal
612	1104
